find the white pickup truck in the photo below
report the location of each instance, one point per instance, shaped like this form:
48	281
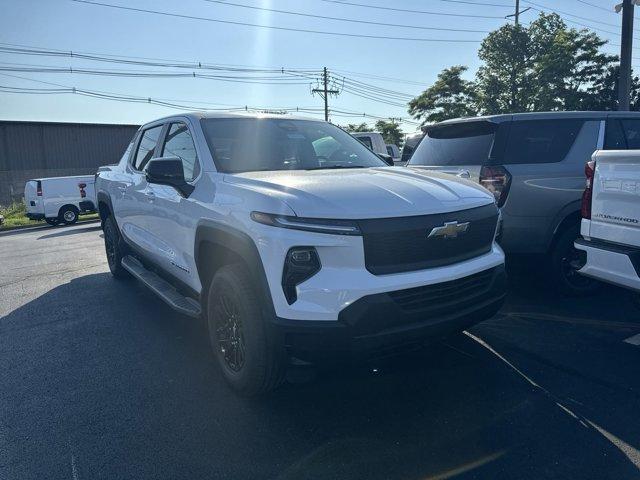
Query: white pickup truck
611	218
295	241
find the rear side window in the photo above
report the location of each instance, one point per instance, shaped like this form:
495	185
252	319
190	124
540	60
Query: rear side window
622	134
366	141
540	141
179	144
146	147
467	143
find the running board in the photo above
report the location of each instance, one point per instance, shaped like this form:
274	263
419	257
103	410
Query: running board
161	287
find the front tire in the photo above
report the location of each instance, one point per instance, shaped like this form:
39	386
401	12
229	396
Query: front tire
565	276
114	249
68	215
250	362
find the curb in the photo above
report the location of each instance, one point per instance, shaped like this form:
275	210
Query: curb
31	228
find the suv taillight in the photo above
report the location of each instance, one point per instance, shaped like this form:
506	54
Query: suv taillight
82	186
589	171
39	189
497	180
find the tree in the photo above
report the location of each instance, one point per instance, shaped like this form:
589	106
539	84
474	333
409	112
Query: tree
544	66
450	96
390	132
363	127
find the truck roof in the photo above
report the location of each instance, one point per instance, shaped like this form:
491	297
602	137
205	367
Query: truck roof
198	115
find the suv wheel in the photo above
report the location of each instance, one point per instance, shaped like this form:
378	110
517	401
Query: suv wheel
68	214
564	258
114	248
250	363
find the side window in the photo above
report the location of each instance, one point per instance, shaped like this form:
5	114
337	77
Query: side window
179	143
541	141
614	136
146	147
631	130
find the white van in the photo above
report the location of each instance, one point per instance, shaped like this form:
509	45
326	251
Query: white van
611	219
373	140
60	199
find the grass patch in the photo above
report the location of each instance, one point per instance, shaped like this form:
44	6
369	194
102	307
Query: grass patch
15	216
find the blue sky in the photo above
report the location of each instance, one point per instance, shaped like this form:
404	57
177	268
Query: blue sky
71	26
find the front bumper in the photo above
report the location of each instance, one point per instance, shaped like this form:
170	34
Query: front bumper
612	263
394	321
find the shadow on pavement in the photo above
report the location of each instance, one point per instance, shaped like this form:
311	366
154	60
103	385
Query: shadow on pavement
74	231
102	374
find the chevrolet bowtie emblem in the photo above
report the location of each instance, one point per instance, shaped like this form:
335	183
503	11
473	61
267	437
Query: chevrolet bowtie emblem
449	230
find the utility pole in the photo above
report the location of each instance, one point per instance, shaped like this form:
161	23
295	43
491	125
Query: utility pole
325	92
624	82
517	14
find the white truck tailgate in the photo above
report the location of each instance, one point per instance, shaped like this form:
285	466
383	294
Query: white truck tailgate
615	207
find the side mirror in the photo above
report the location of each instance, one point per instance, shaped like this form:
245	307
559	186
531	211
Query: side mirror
168	171
388	159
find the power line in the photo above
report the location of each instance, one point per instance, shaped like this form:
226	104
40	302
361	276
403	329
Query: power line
102	57
172	103
341	19
274	27
271	80
407	10
596	6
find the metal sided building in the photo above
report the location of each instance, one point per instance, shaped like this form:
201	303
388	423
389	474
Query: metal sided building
51	149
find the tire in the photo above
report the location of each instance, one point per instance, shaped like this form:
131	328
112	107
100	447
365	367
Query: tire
250	363
52	221
68	215
565	277
114	249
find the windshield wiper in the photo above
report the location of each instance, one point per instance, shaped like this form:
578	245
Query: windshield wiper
334	167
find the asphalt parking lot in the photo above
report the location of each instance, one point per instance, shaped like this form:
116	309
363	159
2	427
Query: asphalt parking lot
101	380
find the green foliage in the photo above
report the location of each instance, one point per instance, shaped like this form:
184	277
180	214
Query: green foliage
363	127
390	132
543	67
449	97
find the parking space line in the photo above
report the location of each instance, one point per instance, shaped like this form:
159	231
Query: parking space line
634	340
629	451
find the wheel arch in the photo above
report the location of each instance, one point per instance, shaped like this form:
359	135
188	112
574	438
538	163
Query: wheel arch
68	206
105	207
217	245
568	216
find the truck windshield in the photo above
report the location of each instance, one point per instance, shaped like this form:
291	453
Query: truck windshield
466	143
252	144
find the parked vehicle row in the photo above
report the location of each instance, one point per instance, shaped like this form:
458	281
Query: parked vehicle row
60	199
533	164
296	242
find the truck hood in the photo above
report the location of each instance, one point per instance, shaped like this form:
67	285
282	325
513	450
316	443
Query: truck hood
365	193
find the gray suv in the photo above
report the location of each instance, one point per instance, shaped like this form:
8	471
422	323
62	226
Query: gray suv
534	164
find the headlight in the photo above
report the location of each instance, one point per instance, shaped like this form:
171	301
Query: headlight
319	225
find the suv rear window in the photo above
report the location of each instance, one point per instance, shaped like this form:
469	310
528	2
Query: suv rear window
467	143
540	141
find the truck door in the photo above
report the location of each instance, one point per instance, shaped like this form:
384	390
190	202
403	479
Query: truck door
132	207
171	220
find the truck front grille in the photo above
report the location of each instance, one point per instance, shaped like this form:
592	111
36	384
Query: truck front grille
393	245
